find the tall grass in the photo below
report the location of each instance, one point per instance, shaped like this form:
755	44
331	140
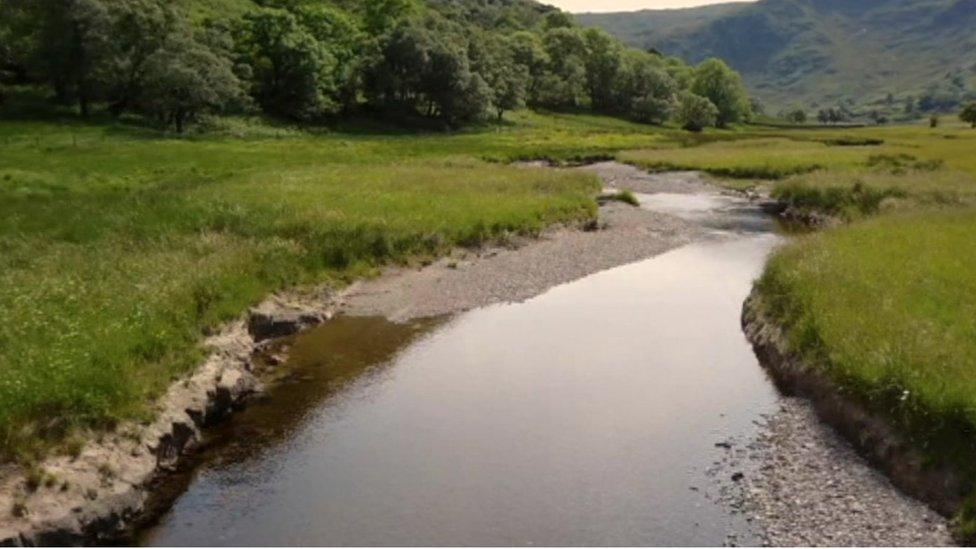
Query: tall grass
749	158
887	307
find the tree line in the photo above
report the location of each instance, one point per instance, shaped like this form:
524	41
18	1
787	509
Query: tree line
446	62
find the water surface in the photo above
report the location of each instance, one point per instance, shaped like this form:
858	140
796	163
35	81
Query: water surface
586	416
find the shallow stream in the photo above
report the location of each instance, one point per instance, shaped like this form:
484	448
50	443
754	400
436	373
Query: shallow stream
589	415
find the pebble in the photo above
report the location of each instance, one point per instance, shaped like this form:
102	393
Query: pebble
807	486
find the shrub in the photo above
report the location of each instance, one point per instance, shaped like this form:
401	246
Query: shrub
968	114
695	112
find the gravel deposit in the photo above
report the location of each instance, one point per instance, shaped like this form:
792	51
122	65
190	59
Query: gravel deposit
529	267
802	485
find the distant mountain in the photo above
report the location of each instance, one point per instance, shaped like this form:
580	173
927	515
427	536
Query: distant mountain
877	53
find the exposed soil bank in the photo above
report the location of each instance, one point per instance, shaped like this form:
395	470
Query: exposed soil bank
814	489
95	496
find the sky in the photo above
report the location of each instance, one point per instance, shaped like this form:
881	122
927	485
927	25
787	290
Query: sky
578	6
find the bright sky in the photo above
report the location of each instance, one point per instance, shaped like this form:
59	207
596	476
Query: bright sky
579	6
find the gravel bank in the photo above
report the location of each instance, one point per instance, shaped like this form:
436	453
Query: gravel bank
814	489
800	484
467	280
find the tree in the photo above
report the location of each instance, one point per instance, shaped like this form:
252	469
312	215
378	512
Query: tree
139	29
603	60
456	94
558	20
16	38
833	115
495	61
185	78
756	106
380	16
796	115
527	51
564	82
695	112
394	74
339	32
422	68
293	73
644	91
72	47
968	114
723	87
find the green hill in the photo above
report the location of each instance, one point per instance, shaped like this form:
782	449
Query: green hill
824	52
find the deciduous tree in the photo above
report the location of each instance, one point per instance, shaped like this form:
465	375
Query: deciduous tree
185	78
293	73
723	87
968	114
696	113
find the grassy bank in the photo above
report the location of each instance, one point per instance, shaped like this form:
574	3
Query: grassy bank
916	350
120	246
845	173
886	308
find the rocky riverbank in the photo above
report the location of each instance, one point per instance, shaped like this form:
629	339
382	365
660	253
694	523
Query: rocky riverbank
830	472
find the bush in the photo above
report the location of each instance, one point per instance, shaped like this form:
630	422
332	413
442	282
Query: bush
695	112
848	202
968	114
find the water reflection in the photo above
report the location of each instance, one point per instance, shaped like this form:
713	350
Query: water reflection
714	210
582	417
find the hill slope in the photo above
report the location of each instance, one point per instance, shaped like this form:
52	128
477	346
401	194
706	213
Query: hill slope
823	52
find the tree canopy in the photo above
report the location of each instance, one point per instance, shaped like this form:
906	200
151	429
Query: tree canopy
449	62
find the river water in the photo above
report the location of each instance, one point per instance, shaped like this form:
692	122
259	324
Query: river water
588	415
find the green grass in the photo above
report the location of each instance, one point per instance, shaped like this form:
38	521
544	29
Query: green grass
750	158
887	307
840	172
120	246
625	196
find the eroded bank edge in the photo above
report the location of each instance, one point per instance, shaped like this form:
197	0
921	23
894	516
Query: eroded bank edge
876	437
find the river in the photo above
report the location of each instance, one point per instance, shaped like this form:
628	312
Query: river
592	414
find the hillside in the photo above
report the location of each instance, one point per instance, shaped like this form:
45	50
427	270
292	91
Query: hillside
824	52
